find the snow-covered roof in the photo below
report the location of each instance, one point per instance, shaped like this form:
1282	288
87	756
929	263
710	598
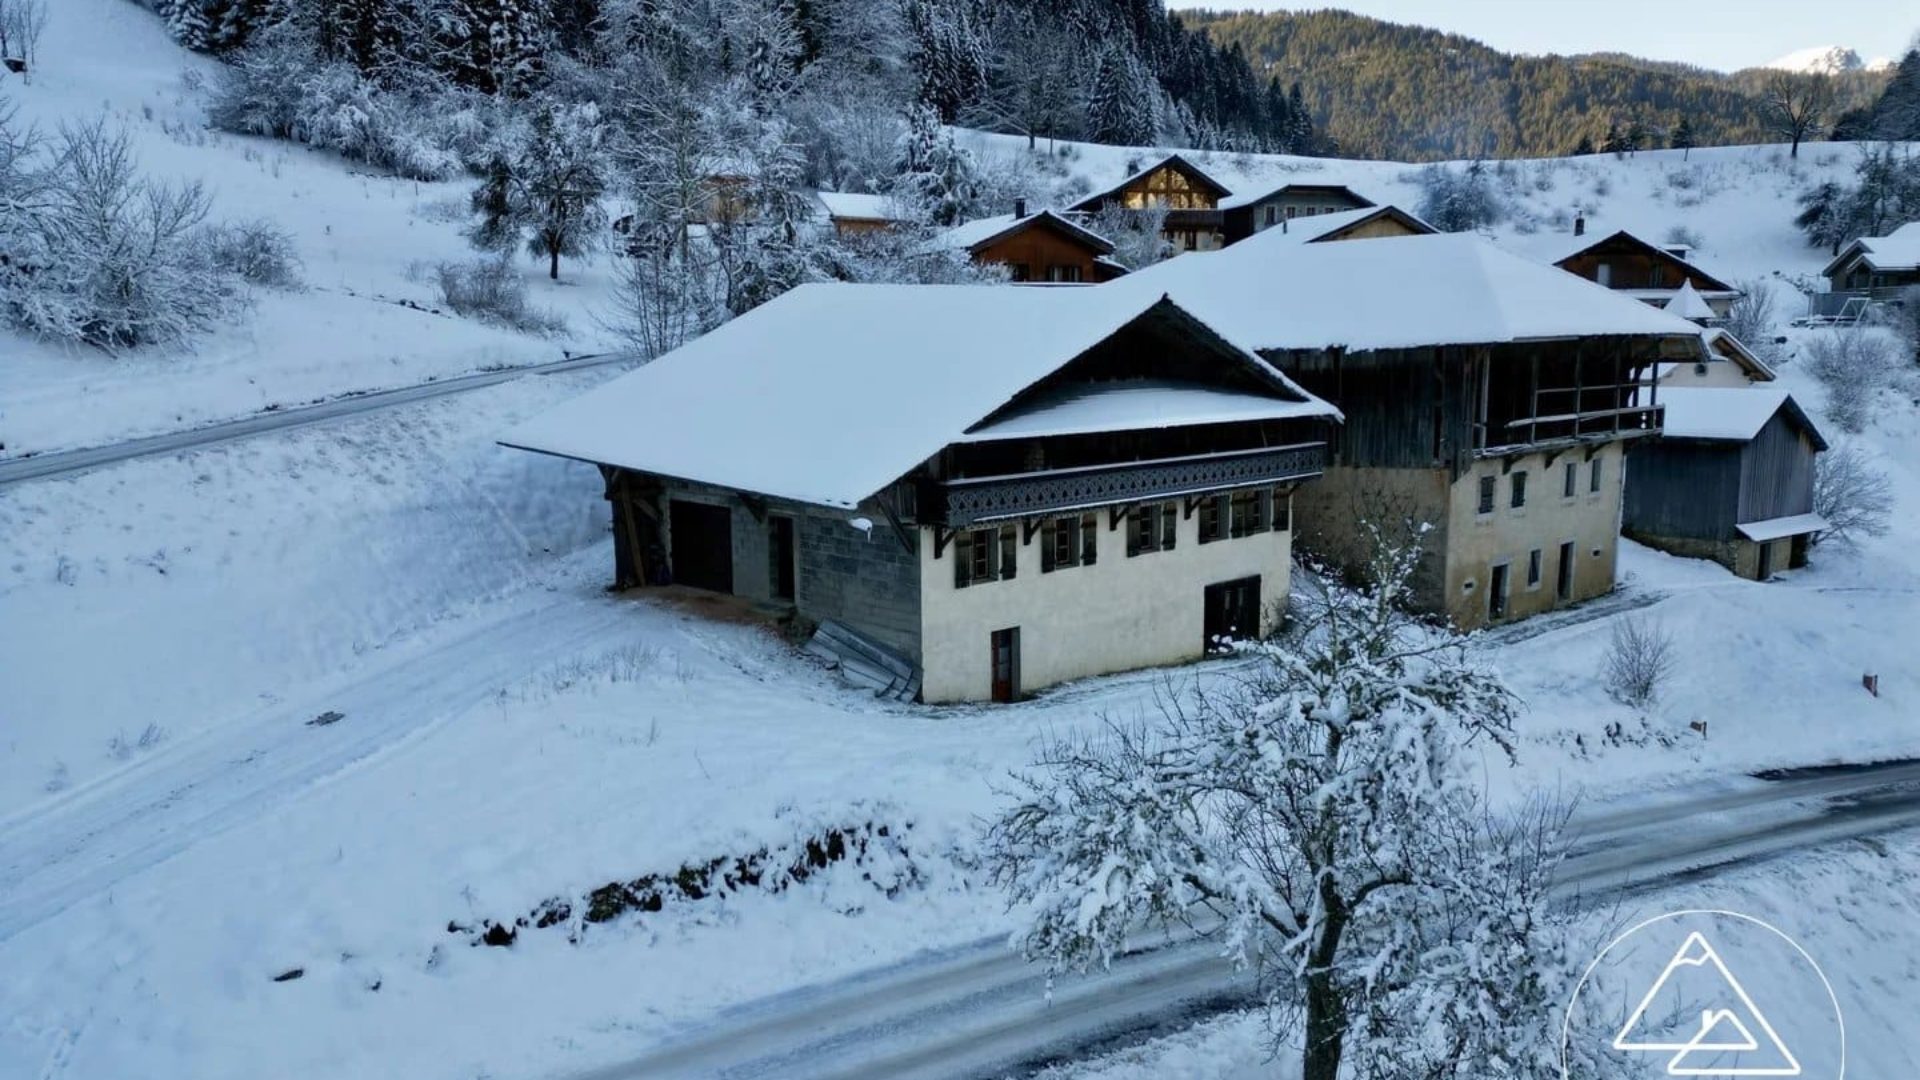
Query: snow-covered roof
1177	162
832	391
1246	195
1688	304
1776	528
1136	404
854	206
1897	251
1721	340
1727	413
972	234
1313	227
1398	292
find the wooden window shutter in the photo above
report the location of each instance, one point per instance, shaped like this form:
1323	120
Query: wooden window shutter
1046	546
1089	538
1169	526
1009	551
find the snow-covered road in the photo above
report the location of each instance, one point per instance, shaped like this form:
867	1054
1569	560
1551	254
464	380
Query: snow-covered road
80	844
981	1010
68	462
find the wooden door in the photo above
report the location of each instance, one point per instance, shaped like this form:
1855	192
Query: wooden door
1497	594
1006	664
1232	613
1563	584
1766	562
781	551
702	539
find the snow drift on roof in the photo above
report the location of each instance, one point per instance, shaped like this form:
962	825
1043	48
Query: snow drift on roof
1397	292
1776	528
1136	404
970	234
1688	304
1899	250
832	391
1735	413
1721	341
858	207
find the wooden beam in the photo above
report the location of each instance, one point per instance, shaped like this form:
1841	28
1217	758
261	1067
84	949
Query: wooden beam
893	522
1117	514
942	536
1028	527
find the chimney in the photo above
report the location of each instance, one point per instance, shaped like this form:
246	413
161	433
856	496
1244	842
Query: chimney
1019	208
1580	225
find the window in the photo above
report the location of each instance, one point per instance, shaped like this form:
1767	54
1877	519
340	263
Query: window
1593	475
1063	274
1563	579
983	555
1273	214
1059	544
1213	517
1292	212
1248	512
1519	490
1603	274
1487	485
1019	272
1152	528
1533	569
1282	510
1572	483
1190	239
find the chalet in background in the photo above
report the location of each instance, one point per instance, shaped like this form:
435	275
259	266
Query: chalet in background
977	491
1043	248
1649	272
852	214
1368	223
1205	214
1871	269
1730	479
1486	394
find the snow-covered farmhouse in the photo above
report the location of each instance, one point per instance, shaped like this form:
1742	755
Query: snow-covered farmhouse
1730	479
1042	247
1204	213
1484	393
1876	267
1654	273
1000	488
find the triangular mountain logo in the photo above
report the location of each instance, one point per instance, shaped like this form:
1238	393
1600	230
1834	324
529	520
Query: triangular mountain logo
1734	1037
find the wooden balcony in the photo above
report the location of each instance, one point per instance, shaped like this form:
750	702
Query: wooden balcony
975	500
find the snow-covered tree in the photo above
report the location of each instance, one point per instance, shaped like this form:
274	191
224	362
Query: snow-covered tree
1795	105
934	177
1138	236
187	23
545	185
1318	812
1683	138
1458	200
1120	101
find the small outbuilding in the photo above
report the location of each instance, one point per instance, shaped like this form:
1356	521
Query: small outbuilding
1877	267
1730	479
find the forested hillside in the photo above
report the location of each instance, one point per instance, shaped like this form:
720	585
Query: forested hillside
1385	90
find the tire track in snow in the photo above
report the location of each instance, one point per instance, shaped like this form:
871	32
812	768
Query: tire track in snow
60	853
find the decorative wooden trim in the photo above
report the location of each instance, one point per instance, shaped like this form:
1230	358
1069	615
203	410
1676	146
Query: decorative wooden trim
942	536
893	521
1028	528
1001	498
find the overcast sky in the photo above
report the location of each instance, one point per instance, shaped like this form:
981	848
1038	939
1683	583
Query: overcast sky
1724	34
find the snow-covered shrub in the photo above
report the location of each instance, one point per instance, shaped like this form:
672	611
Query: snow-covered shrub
1903	315
1137	235
1855	366
491	290
1458	200
1681	234
120	747
101	255
257	252
262	89
1855	498
1639	658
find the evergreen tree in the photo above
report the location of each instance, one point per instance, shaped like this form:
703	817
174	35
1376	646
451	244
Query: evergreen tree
1300	129
1119	109
1614	142
1636	136
1683	136
545	185
1584	148
187	23
933	176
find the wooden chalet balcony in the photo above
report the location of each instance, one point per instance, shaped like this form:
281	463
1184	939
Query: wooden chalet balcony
973	500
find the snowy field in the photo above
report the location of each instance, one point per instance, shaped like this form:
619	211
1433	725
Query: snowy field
180	824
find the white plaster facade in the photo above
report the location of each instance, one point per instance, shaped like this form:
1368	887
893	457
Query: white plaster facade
1119	614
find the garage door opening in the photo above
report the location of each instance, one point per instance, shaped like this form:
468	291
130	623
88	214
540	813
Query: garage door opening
702	539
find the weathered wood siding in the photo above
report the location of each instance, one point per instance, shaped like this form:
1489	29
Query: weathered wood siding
1776	472
1404	409
1683	488
1033	251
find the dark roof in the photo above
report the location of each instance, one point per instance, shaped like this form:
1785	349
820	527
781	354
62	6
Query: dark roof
1658	252
1192	172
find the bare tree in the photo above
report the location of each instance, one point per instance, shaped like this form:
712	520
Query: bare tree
1854	497
1795	104
1638	660
21	23
1855	365
1751	318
